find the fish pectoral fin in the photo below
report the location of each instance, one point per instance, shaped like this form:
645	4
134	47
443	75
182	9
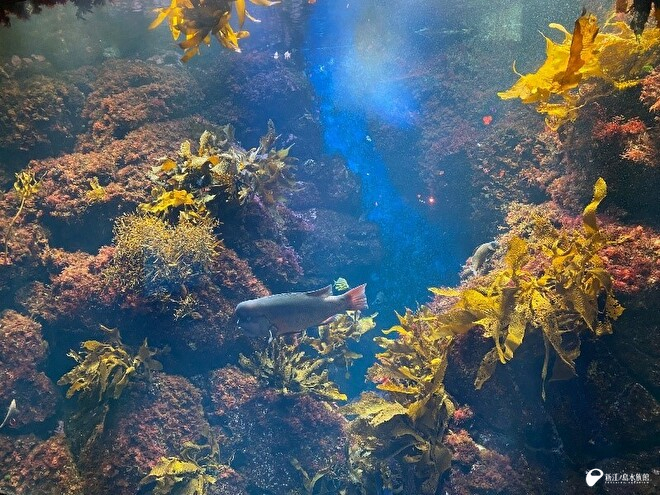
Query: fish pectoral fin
324	292
327	321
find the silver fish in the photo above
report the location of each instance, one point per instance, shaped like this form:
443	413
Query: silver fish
293	312
12	411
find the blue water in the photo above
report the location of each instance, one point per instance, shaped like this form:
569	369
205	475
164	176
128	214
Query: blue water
355	76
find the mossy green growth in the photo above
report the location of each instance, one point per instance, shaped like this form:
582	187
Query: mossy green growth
103	370
555	282
286	368
190	473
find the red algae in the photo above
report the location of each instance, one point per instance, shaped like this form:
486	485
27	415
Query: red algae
128	94
22	355
150	421
32	466
267	430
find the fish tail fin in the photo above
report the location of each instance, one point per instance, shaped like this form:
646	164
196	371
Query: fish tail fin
356	299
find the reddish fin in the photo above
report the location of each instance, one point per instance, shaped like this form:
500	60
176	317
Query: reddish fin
324	292
356	299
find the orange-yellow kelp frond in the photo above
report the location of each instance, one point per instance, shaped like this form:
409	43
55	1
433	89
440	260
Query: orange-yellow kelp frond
614	55
198	20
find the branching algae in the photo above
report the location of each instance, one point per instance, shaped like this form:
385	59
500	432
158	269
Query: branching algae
615	55
222	166
571	292
26	186
162	261
190	473
198	20
287	369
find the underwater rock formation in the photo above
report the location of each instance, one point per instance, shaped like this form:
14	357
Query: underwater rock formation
128	94
339	244
23	353
266	431
151	420
39	116
32	466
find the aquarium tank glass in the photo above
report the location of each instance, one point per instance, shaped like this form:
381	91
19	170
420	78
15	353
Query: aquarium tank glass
323	247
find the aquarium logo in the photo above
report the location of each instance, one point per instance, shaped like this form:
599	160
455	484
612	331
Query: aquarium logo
593	476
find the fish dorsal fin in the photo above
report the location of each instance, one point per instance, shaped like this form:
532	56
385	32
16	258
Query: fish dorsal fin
324	292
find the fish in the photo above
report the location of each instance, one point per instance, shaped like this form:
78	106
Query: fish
12	411
293	312
480	255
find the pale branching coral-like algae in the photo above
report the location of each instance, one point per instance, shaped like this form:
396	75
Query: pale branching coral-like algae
614	54
158	260
198	20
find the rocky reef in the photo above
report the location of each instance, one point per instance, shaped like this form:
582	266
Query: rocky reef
146	199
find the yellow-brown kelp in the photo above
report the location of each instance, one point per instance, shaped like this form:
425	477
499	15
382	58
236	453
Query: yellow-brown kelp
220	164
26	186
553	282
287	369
613	54
102	372
408	427
198	20
189	473
571	292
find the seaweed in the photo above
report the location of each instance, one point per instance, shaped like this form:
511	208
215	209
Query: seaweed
222	166
309	482
287	369
162	262
189	473
333	337
97	192
408	426
614	54
572	292
103	370
198	20
26	186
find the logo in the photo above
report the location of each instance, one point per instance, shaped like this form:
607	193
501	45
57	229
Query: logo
593	476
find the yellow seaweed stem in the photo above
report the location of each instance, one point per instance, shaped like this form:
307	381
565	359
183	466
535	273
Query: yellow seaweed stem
613	54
